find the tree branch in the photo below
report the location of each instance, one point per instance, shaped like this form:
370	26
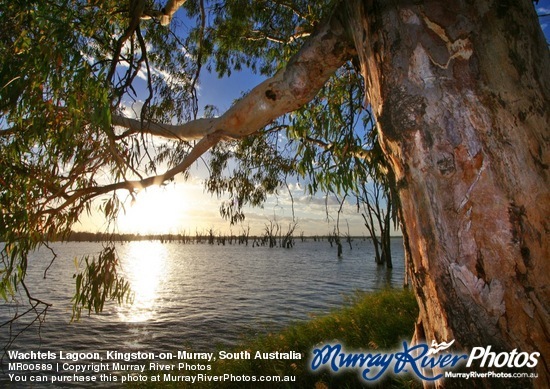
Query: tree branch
86	194
286	91
356	152
169	10
194	129
136	11
260	36
292	8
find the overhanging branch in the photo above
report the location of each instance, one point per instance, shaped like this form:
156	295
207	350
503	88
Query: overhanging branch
327	49
194	129
89	193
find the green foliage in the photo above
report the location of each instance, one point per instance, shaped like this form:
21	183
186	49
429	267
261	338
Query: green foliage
261	168
330	145
99	282
259	35
54	112
332	135
324	144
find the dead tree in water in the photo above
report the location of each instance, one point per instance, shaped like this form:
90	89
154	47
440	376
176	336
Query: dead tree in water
288	239
378	219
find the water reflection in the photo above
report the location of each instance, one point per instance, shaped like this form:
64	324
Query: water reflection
145	267
383	277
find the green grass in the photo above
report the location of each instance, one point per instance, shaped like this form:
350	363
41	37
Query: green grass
367	322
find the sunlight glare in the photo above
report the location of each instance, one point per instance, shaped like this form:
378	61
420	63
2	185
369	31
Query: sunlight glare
145	266
157	210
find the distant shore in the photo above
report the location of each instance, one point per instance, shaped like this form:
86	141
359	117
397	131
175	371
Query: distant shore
201	237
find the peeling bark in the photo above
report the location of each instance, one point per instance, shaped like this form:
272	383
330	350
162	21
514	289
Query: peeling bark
461	93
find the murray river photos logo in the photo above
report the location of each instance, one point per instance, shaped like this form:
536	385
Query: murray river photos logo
420	360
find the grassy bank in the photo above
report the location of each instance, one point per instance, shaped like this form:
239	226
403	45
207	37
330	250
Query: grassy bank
367	322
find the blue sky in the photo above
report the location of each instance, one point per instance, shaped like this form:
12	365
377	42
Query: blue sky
543	8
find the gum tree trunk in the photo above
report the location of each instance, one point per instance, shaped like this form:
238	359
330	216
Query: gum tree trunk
461	93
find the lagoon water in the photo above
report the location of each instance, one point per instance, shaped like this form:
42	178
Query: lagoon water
198	296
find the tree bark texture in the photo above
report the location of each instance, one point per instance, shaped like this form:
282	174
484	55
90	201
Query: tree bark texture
461	91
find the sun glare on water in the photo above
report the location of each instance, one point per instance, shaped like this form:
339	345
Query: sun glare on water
145	265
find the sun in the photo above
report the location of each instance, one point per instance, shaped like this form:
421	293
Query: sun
156	210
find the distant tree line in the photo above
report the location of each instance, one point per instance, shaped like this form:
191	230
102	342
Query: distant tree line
273	236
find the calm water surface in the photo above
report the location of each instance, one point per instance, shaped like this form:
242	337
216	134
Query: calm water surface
198	295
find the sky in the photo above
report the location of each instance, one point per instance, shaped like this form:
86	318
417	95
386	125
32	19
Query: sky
185	207
543	8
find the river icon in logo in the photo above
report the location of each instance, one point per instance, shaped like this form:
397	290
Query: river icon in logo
439	347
